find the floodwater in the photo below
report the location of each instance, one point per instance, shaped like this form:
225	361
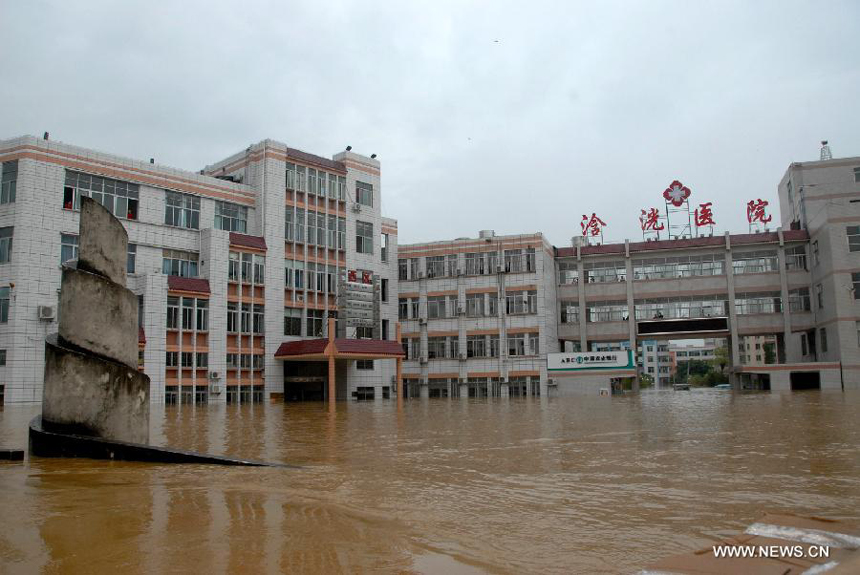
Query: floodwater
590	485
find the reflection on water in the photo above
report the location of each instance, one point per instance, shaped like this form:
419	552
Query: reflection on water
591	485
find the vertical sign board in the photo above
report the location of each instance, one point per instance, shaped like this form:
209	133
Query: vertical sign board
590	361
358	306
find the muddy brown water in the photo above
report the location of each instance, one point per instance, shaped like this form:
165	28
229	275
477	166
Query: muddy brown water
590	485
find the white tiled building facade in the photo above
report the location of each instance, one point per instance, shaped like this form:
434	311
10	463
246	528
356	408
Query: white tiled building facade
478	315
236	231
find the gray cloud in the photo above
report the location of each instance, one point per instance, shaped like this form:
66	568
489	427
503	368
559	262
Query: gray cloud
518	117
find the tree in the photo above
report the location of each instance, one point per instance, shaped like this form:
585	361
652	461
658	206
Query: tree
721	358
685	370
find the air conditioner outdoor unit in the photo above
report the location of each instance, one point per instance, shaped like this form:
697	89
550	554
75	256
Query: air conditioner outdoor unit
462	357
498	269
356	208
460	310
422	359
393	379
215	389
459	272
421	275
461	380
550	381
46	312
214	375
422	320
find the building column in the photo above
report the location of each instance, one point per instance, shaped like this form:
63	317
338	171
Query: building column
398	384
734	357
631	313
786	312
332	388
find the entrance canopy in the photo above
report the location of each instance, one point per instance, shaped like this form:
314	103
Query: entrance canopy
339	348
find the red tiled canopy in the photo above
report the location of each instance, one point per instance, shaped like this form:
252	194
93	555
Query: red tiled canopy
188	284
343	347
246	241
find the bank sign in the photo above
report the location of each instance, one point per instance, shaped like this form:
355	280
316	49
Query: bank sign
594	360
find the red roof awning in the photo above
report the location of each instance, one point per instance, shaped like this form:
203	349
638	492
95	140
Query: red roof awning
342	348
246	241
188	284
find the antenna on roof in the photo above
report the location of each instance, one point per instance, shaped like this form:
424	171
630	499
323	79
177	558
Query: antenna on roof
826	154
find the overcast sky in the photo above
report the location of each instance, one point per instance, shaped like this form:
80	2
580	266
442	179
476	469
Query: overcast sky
518	117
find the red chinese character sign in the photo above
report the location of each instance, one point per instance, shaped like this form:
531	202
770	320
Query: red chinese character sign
650	223
592	227
757	216
704	219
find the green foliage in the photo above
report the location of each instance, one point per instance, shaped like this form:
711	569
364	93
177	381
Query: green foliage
721	358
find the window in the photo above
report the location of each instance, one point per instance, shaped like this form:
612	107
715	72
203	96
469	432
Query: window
4	304
68	248
819	296
246	266
2	357
413	268
341	188
312	228
855	284
384	289
291	176
474	264
341	233
364	364
172	313
413	303
202	315
607	311
231	217
364	193
292	321
435	266
188	313
568	272
823	338
289	223
402	270
259	269
364	237
179	263
187	359
171	359
315	323
681	307
301	179
675	267
332	232
795	258
804	346
857	175
601	272
232	360
569	312
452	265
131	258
232	317
245	318
857	327
6	245
435	347
9	182
363	332
384	329
181	210
853	233
403	308
475	305
476	346
520	302
755	262
300	225
120	198
798	300
435	307
753	303
383	242
815	253
258	318
516	344
514	261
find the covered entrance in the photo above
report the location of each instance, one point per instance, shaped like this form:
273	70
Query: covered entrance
315	369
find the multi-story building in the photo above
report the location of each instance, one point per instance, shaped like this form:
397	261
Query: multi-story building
229	263
478	315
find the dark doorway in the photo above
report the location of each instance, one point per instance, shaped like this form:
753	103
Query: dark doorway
801	380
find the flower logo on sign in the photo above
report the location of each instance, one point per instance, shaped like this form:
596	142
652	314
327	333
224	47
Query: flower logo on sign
676	193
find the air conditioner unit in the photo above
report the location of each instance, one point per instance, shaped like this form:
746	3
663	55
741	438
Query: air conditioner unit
459	272
461	380
393	379
215	389
300	297
421	275
460	310
498	269
422	359
551	381
214	375
422	321
462	357
46	312
356	208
